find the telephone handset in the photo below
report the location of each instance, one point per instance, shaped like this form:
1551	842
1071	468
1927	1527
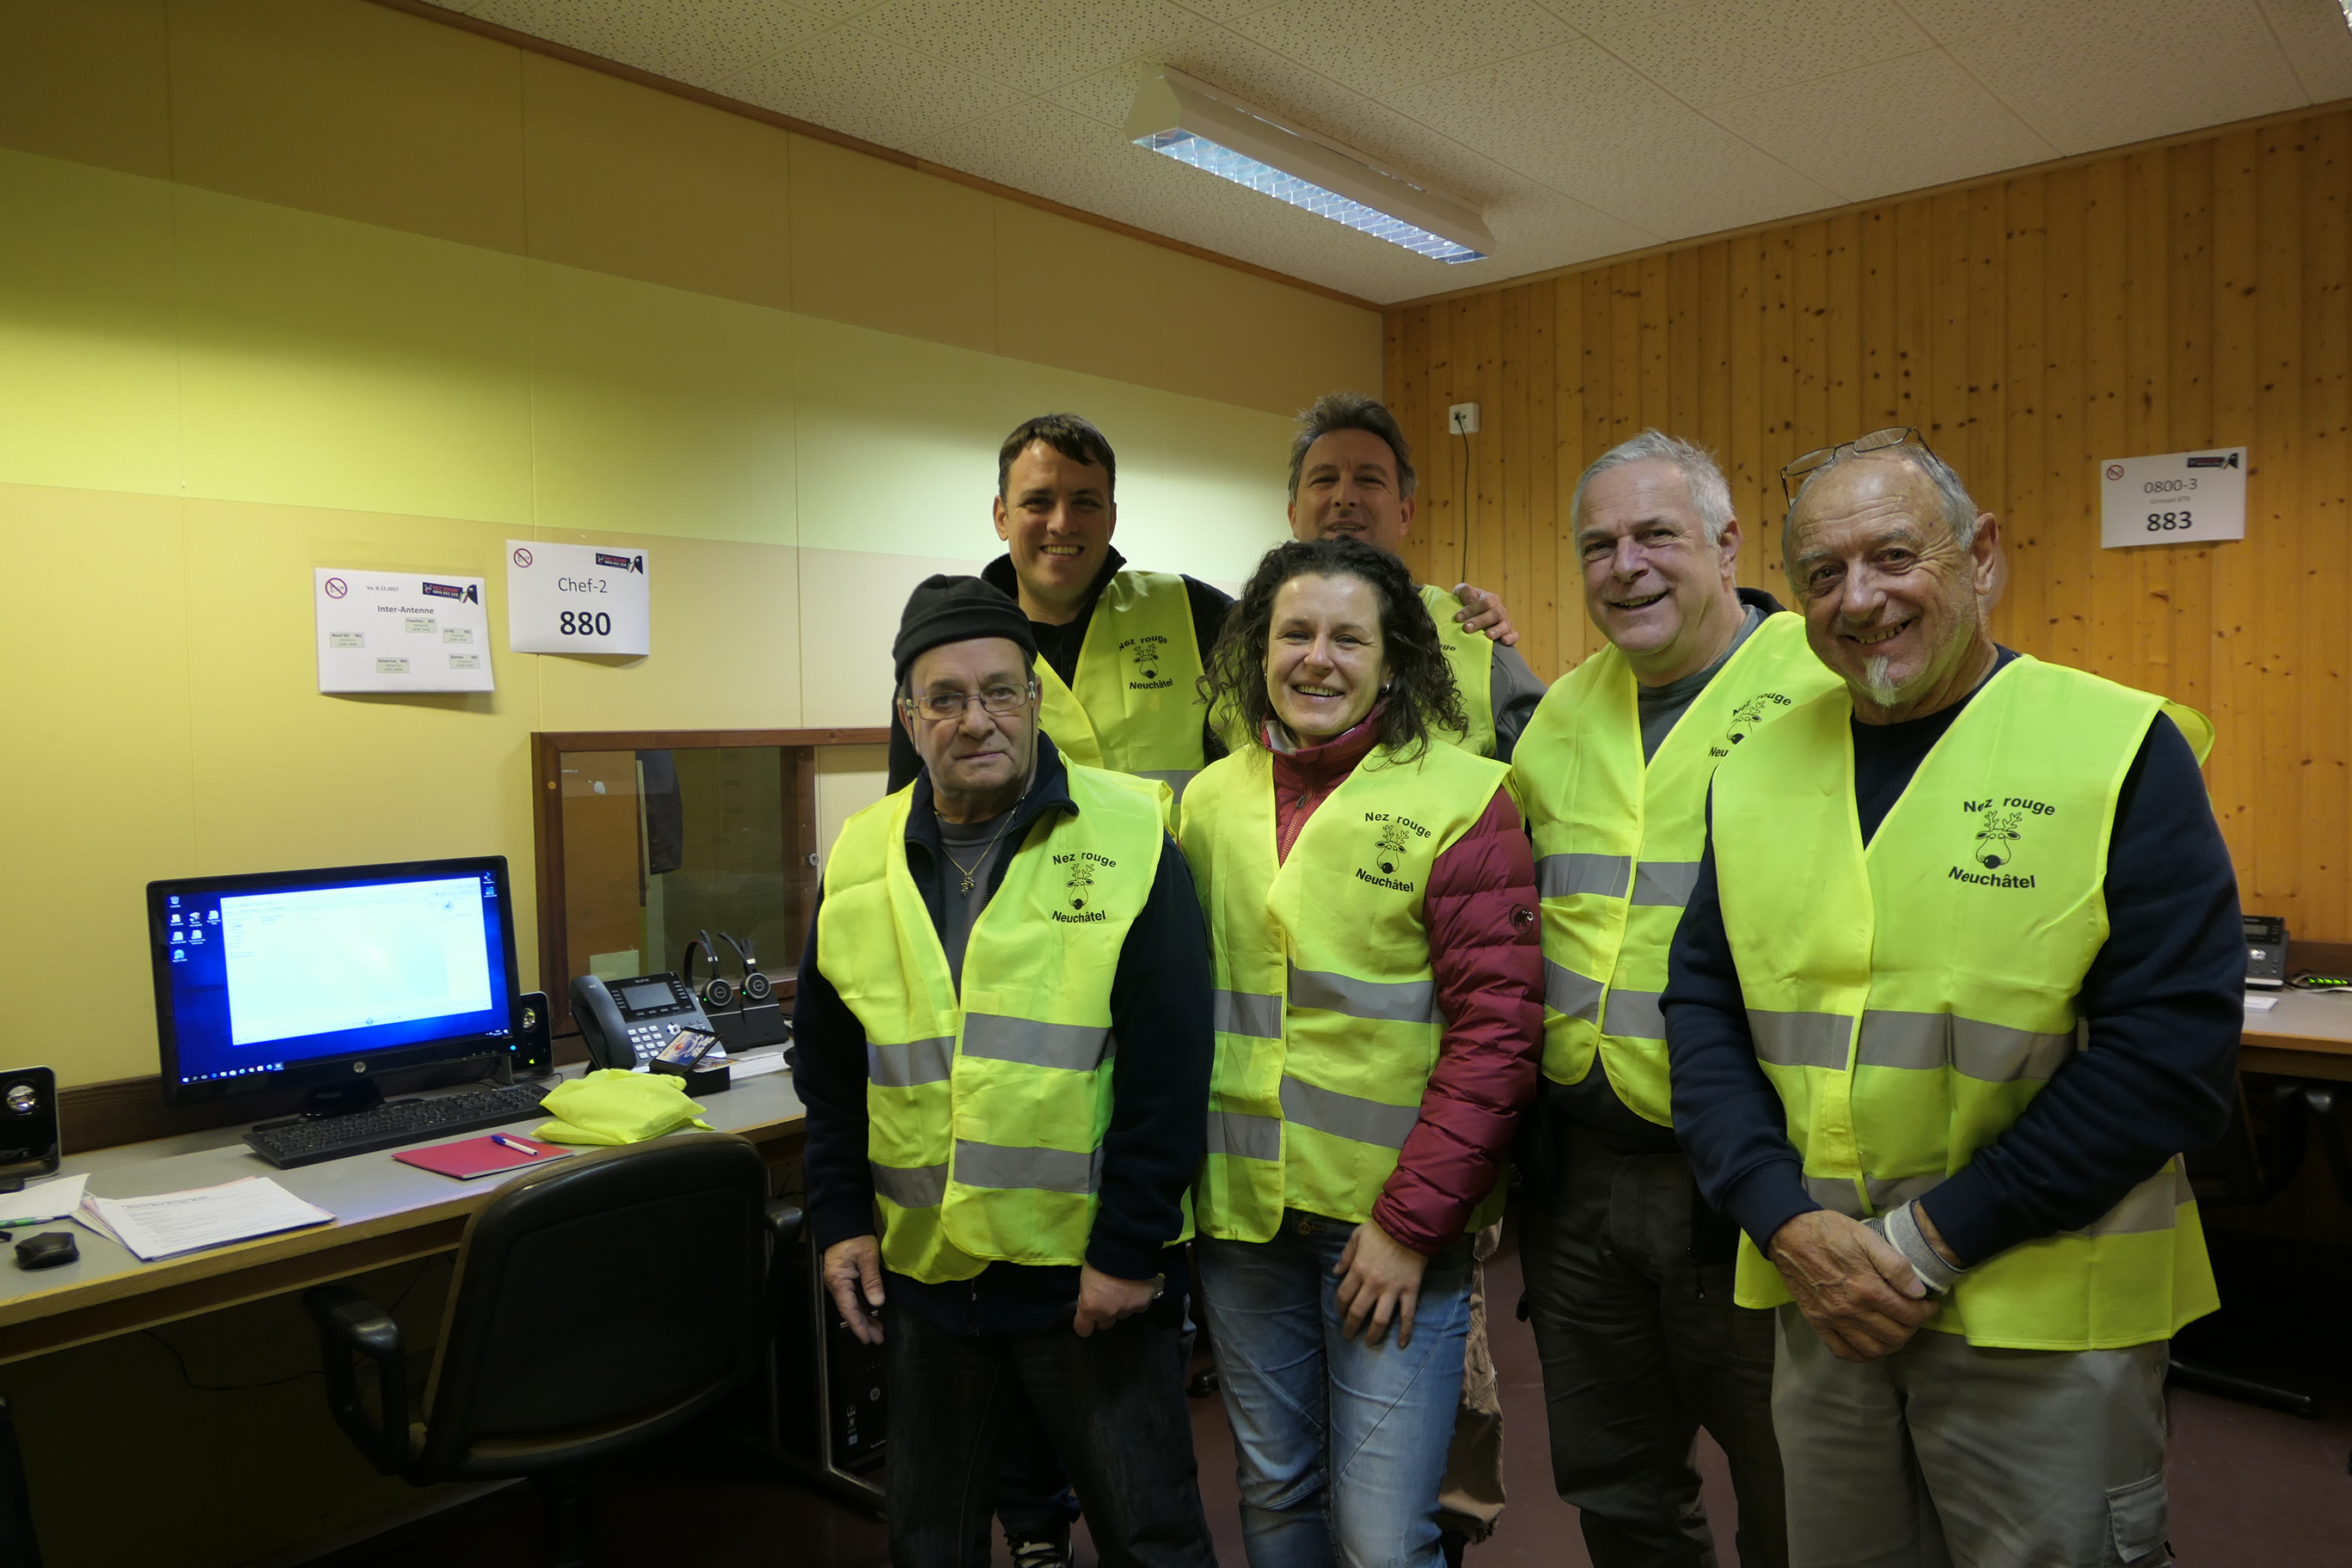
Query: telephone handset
627	1022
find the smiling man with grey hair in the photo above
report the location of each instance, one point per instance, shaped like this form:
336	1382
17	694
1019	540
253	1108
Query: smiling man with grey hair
1957	982
1629	1275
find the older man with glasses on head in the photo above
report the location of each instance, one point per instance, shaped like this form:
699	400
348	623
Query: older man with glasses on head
1958	982
983	938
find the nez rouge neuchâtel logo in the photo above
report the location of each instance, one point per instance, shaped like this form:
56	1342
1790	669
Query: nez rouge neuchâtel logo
1080	886
1999	833
1397	839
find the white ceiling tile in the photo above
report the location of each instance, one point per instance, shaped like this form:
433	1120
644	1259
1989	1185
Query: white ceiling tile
2318	44
852	82
1582	123
697	41
1893	126
1379	46
1706	52
1001	39
2089	74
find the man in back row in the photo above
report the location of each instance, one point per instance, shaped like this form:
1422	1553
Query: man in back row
1121	650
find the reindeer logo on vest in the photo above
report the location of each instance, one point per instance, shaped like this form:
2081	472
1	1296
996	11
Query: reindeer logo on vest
1999	825
1080	865
1747	717
1149	654
1396	841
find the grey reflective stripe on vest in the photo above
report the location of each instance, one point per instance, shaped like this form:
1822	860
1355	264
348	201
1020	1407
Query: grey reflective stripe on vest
1345	1116
1047	1169
1246	1137
916	1187
1565	876
1800	1039
1667	883
1886	1192
1991	1053
1174	778
1247	1013
1380	1001
1075	1047
1566	991
2150	1205
1634	1015
916	1062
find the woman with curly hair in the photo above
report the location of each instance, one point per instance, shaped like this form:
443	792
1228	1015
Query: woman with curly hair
1371	902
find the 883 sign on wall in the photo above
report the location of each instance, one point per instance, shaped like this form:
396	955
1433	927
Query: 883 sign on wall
578	598
2181	498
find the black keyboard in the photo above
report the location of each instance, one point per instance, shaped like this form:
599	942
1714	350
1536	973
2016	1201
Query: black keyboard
290	1144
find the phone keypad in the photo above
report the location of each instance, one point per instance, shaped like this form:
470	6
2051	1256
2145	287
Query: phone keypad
648	1039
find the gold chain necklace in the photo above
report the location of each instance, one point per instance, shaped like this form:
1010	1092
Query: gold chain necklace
975	868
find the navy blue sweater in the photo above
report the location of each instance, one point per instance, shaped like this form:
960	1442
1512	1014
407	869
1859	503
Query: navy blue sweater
2164	998
1159	1005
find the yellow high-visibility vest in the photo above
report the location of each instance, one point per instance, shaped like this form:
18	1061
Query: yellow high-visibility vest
1909	1000
1328	1026
1135	706
1618	842
1471	656
987	1106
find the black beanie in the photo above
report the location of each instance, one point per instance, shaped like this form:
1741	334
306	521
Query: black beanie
956	609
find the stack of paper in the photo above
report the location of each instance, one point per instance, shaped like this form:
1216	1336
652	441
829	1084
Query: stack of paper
170	1224
40	1204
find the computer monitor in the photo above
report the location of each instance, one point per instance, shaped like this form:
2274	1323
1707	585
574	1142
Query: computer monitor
288	978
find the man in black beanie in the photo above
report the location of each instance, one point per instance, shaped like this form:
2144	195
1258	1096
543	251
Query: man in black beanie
1003	1022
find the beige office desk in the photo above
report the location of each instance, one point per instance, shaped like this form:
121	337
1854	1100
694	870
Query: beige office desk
385	1212
2307	1034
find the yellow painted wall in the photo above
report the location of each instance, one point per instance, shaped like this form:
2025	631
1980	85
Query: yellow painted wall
287	283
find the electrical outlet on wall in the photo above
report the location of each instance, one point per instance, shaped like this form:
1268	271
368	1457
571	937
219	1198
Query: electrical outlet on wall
1462	419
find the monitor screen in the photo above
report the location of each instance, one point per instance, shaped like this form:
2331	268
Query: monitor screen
273	977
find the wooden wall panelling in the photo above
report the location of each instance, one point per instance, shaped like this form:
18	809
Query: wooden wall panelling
2186	296
2325	817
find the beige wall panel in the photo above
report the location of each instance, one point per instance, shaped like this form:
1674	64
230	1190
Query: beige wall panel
848	780
284	776
350	109
1233	338
89	81
96	786
660	411
328	363
882	246
896	438
643	185
1076	296
850	601
89	351
726	644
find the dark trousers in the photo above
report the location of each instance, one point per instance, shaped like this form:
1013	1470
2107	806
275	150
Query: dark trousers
1034	1500
1629	1280
1112	1404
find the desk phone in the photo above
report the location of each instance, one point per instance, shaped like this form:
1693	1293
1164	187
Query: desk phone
625	1023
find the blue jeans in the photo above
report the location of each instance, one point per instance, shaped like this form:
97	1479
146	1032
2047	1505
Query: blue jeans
1340	1446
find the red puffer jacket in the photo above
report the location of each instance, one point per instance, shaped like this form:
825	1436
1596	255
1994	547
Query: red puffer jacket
1487	950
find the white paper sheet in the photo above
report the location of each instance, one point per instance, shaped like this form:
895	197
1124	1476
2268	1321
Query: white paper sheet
578	598
170	1224
43	1202
394	631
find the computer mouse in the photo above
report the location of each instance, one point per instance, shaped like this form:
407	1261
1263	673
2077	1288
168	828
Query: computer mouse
47	1250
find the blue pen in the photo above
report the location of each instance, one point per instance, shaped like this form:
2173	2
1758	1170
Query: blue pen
520	1147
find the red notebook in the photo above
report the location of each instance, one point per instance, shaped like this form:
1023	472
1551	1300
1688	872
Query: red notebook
475	1157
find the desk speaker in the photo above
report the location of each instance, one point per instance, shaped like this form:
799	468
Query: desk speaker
29	1126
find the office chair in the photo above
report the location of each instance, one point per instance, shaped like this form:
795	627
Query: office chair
599	1303
19	1547
2243	1169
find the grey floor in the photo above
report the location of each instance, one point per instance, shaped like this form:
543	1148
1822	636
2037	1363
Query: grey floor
2249	1487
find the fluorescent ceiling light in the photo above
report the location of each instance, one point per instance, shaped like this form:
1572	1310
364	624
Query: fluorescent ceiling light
1183	118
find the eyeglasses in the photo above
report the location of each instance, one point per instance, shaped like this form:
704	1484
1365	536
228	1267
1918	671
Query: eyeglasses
1792	478
941	707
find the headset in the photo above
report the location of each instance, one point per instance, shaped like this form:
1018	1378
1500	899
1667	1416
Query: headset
755	987
718	992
